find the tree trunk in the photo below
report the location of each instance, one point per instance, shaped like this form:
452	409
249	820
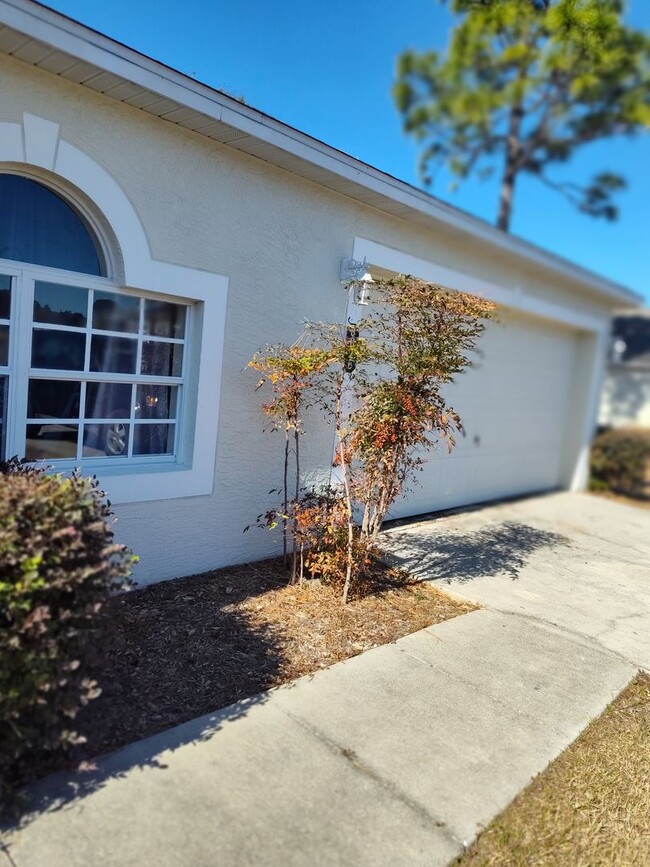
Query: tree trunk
505	198
294	564
511	170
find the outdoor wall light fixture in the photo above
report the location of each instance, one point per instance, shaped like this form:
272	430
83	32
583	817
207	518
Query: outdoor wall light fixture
356	275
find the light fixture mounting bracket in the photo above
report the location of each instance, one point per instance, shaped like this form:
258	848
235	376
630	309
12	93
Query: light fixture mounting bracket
352	269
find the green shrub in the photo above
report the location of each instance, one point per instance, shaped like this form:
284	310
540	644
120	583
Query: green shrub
620	461
58	563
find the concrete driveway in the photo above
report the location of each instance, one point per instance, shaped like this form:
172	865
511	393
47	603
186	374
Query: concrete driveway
576	561
401	755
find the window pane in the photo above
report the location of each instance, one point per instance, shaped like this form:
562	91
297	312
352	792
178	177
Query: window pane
113	354
108	400
112	312
5	296
58	350
38	226
51	441
163	319
4	345
106	440
156	401
153	439
52	398
60	305
161	359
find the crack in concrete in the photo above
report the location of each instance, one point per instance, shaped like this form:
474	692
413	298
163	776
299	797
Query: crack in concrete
477	689
580	638
366	770
5	851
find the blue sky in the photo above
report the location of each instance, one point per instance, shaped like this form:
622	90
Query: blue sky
327	67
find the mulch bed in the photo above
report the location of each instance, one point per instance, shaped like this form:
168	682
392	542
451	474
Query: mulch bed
179	649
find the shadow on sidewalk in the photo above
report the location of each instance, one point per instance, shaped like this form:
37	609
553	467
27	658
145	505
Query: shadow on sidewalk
463	556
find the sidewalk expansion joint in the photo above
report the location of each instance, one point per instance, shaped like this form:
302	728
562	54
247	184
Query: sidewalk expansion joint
360	766
479	691
5	851
579	638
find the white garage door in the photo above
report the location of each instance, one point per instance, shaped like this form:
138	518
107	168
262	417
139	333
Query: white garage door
515	406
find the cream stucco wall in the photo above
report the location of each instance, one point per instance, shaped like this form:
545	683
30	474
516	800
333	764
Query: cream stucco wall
279	240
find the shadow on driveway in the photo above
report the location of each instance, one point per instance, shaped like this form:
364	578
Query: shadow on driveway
463	556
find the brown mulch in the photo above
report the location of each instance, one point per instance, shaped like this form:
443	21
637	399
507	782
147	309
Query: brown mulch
179	649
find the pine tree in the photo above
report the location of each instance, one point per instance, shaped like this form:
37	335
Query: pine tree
521	86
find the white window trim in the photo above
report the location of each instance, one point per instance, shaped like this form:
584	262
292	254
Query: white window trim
133	267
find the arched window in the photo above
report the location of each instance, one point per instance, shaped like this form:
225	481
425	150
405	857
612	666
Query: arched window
39	227
87	371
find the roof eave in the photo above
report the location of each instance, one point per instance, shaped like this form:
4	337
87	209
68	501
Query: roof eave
256	133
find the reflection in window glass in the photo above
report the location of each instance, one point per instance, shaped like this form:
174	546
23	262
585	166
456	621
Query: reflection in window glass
3	412
161	359
153	439
5	296
113	354
108	400
60	305
156	401
106	440
112	312
53	398
51	441
4	345
163	319
58	350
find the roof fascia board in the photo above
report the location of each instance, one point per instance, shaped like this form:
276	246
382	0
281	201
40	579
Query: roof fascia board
62	33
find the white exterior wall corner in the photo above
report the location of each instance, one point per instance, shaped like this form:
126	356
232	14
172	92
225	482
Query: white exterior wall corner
278	240
626	397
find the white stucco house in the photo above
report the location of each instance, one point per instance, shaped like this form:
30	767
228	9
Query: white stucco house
155	233
626	391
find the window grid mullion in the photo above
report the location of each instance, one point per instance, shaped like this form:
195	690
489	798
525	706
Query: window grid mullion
132	417
82	413
96	376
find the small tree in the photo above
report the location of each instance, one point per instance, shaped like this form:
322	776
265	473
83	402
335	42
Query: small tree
522	86
381	392
290	371
422	336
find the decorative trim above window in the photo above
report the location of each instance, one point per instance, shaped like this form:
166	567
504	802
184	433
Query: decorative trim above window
119	375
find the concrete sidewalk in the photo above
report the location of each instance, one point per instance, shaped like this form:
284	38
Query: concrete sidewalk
396	757
576	561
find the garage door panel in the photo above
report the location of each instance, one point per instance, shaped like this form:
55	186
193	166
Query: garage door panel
515	407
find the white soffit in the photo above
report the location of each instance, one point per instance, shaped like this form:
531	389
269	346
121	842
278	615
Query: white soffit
45	39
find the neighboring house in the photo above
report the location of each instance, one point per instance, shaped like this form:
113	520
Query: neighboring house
155	233
626	391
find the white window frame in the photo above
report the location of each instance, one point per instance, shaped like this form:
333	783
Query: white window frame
21	324
127	479
35	149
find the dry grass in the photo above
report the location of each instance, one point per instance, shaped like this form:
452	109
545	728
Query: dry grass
180	649
591	807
